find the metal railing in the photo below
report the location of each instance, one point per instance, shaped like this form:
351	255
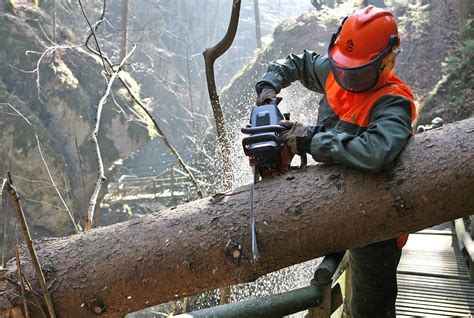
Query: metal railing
169	184
322	297
466	243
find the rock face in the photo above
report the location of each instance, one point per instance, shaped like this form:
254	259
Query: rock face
57	88
453	97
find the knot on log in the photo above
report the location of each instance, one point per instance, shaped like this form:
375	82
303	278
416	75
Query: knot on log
336	177
400	205
233	251
96	305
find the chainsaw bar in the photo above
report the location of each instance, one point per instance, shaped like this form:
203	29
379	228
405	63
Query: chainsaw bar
255	254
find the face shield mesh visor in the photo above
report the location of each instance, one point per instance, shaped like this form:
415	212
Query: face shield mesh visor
361	78
356	80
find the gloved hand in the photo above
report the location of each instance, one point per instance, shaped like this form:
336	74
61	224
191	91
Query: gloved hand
298	136
266	96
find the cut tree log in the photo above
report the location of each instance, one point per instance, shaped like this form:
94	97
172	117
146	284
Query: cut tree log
205	244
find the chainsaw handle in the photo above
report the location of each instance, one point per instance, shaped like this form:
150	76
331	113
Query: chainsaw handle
262	129
260	138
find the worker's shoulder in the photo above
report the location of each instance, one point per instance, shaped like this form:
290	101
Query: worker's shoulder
316	57
392	98
395	104
320	66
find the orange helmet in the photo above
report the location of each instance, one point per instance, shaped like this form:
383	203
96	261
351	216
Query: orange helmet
357	48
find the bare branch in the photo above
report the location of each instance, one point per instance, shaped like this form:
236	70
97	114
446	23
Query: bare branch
46	166
51	49
54	184
210	56
5	225
44	33
105	59
29	243
44	203
101	174
21	281
93	29
81	168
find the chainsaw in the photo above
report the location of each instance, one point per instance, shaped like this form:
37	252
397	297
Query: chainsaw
268	156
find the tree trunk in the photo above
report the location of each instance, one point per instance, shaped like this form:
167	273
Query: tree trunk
210	56
54	22
257	24
124	33
302	215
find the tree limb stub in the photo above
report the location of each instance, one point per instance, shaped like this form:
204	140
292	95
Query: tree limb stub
310	213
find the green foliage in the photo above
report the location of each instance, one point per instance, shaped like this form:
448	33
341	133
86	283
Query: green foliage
64	74
288	25
464	55
413	20
467	49
468	21
452	97
328	16
10	4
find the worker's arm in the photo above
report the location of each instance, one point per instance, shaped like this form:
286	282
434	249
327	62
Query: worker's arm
387	133
309	68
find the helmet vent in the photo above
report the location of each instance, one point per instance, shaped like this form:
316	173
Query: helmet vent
370	13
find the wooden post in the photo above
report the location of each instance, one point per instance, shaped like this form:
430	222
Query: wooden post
346	310
324	308
323	276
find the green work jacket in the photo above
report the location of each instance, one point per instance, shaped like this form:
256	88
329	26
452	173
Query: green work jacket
370	147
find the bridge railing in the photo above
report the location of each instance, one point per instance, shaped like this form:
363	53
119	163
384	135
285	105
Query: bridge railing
322	297
169	184
466	243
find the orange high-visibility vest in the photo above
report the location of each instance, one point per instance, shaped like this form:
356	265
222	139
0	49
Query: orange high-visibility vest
355	107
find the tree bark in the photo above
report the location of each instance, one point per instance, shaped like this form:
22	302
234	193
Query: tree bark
302	215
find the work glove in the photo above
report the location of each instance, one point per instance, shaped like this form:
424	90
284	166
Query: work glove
267	95
298	136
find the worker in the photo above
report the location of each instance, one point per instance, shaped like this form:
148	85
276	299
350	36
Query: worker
364	121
